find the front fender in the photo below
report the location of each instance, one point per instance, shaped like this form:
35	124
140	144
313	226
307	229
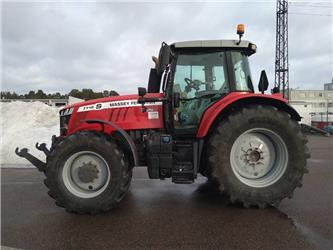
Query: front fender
122	132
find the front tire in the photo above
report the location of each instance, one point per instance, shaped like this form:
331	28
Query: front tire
258	155
87	173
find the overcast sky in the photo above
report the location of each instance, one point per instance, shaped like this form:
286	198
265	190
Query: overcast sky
107	45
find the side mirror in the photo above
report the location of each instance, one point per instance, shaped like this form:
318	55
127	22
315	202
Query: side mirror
263	82
154	82
176	99
142	91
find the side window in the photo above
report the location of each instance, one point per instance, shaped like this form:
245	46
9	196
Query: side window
219	79
242	73
190	72
197	74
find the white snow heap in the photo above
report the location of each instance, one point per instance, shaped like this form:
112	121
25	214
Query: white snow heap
22	125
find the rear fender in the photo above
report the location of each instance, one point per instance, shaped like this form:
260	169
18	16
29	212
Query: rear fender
236	100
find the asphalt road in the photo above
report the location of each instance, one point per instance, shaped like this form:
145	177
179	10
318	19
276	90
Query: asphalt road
159	214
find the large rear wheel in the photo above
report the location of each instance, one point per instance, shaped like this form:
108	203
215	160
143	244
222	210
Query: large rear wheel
258	155
87	173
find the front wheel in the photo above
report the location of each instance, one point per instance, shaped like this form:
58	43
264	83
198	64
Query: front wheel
258	155
87	173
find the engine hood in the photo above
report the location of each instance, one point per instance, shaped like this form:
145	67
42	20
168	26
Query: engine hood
124	111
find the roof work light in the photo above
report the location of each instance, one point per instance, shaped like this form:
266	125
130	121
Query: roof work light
240	32
240	29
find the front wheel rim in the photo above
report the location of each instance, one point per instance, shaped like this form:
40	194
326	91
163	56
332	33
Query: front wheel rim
259	157
86	174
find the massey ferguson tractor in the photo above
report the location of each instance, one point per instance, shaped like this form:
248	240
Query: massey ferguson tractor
199	115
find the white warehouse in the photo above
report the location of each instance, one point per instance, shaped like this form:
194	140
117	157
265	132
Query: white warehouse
313	105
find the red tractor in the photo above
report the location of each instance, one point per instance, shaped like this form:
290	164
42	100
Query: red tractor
199	115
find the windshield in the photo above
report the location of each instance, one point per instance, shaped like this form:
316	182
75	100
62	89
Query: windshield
243	81
200	74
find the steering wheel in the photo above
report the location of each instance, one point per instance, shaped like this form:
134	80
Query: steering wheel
192	84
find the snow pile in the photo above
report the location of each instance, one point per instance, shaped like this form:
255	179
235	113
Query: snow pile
22	125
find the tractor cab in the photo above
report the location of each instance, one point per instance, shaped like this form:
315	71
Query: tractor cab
204	72
193	75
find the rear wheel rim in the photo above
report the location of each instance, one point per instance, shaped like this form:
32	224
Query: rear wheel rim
259	157
86	174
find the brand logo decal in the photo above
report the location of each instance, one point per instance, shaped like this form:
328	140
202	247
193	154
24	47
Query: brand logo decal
115	104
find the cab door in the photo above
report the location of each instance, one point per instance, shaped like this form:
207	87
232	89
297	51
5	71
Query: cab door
200	79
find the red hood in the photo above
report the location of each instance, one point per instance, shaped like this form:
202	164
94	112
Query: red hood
124	111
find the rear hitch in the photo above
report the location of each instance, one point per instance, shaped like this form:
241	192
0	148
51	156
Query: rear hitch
32	159
42	147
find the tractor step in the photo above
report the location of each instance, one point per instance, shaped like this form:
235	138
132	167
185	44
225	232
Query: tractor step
182	173
183	170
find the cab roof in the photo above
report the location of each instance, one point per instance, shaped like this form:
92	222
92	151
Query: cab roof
216	44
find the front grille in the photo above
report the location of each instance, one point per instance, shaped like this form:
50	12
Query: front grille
64	120
65	116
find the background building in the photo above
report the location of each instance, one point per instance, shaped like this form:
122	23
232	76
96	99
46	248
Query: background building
328	86
315	106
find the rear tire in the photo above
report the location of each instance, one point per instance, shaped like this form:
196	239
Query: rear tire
258	155
87	173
